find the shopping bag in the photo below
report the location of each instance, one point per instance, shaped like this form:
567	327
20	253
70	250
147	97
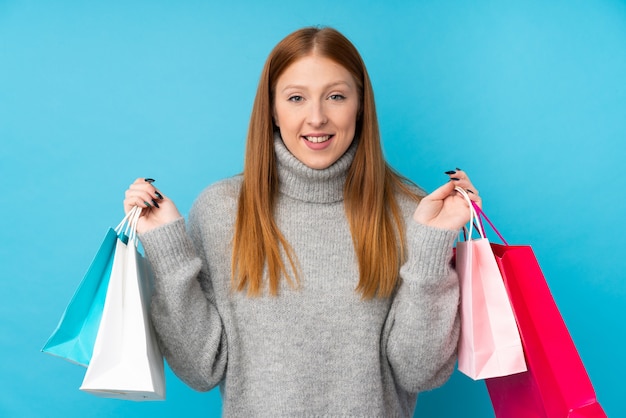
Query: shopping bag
75	335
556	383
489	344
127	362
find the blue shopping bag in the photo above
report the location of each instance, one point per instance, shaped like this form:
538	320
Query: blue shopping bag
75	335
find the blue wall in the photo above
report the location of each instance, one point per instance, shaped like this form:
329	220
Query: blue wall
528	97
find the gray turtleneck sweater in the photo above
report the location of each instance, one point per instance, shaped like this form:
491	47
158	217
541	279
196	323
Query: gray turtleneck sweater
318	350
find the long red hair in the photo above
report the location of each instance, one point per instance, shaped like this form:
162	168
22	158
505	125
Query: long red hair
376	224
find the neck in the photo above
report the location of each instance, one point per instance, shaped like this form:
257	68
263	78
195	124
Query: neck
301	182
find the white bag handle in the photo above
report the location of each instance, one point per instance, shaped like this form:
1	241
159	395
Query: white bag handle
120	226
473	215
134	219
129	224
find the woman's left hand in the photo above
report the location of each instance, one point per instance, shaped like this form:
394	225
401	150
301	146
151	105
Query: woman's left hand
445	207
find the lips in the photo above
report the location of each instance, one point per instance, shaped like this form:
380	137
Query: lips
317	139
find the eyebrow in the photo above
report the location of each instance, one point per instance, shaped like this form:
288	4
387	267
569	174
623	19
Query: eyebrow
329	85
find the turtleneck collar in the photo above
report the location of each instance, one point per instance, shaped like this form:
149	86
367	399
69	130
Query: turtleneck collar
301	182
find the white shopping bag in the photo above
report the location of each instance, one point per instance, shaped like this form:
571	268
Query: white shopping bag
126	361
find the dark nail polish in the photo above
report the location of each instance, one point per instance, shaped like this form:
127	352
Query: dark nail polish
469	191
155	203
458	169
450	172
454	179
150	181
148	205
158	195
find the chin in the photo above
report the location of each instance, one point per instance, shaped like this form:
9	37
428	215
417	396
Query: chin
317	165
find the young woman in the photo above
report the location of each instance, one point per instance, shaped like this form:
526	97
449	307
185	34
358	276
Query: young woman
318	282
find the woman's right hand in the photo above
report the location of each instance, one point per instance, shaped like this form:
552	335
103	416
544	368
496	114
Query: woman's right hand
157	209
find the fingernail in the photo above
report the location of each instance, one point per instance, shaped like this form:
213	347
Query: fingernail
458	169
469	191
450	172
155	203
454	179
150	181
148	205
158	195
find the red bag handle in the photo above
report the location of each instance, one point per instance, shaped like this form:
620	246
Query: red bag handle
481	214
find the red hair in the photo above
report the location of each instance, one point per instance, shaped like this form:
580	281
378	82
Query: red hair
376	224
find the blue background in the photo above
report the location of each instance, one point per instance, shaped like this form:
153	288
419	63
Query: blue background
528	97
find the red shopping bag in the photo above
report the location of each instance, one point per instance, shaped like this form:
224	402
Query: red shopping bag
556	383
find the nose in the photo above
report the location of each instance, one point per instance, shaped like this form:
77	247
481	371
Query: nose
317	114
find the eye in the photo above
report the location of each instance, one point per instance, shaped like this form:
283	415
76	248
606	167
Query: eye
337	97
295	99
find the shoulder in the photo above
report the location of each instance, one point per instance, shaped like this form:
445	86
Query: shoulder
217	200
227	188
408	197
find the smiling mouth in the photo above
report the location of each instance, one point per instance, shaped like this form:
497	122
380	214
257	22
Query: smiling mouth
318	139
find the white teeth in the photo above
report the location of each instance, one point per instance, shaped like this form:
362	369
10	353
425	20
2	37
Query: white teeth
317	139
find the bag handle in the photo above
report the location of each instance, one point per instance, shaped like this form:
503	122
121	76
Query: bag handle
134	219
476	213
129	224
473	216
124	221
481	214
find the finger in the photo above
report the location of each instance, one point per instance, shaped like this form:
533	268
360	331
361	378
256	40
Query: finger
145	185
456	174
146	193
465	185
475	198
470	188
143	180
143	194
461	179
133	196
473	195
139	201
442	192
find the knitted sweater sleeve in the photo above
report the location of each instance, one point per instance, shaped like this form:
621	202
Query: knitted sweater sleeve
186	320
422	329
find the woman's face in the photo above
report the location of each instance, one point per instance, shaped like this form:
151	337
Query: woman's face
315	107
